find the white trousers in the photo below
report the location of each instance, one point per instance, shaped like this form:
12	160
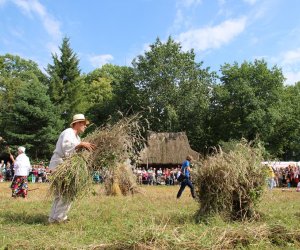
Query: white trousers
59	210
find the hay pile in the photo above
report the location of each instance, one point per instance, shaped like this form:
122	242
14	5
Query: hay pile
121	181
231	184
115	144
249	235
72	178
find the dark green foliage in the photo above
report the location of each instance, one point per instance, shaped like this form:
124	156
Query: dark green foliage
285	141
65	83
111	89
247	102
175	89
33	121
27	115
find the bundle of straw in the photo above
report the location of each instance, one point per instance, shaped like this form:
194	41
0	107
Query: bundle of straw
231	183
71	179
114	145
121	181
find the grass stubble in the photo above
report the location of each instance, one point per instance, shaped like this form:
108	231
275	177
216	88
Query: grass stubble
153	219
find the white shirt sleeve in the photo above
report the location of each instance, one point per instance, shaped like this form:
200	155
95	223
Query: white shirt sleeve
65	147
69	142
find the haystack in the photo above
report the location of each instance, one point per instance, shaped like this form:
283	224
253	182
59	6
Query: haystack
115	144
166	148
121	181
231	184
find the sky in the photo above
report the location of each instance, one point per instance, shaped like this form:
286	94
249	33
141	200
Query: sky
117	31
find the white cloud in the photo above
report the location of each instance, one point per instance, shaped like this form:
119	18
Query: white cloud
34	7
183	15
212	37
291	77
251	2
146	48
2	2
291	57
179	19
289	61
99	60
53	48
188	3
221	2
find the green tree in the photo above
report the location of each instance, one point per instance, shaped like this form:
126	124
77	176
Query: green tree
284	143
111	89
65	83
14	72
33	120
175	88
27	115
246	103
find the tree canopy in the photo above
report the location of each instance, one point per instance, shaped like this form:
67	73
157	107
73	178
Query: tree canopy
28	117
167	85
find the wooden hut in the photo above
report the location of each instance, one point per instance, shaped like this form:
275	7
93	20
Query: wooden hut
166	150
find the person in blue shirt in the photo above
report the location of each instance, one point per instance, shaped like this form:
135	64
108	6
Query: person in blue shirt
186	169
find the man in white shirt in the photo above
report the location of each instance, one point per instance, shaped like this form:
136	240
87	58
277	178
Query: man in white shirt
22	166
67	144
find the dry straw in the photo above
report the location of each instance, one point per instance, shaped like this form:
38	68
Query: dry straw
115	144
231	184
248	236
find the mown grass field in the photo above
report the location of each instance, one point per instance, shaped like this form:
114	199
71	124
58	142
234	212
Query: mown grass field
153	219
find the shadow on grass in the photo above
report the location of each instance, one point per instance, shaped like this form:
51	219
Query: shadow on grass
23	217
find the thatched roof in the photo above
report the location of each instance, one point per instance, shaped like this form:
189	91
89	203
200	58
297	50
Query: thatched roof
167	148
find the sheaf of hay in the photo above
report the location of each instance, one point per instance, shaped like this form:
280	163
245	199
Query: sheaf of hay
115	144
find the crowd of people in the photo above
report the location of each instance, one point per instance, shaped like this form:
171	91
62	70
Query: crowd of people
282	177
285	177
157	176
37	173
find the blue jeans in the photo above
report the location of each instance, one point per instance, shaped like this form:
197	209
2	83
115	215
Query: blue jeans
185	183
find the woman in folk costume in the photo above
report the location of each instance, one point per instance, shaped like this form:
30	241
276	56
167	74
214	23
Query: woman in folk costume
67	144
22	166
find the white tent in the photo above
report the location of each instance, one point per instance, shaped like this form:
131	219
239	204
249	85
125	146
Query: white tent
281	164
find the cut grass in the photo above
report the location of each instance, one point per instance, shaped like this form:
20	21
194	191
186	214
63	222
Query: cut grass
153	219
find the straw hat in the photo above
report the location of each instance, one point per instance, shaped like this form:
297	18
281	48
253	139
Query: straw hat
79	118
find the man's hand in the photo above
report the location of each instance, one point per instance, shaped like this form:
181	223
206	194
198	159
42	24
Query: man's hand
86	145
